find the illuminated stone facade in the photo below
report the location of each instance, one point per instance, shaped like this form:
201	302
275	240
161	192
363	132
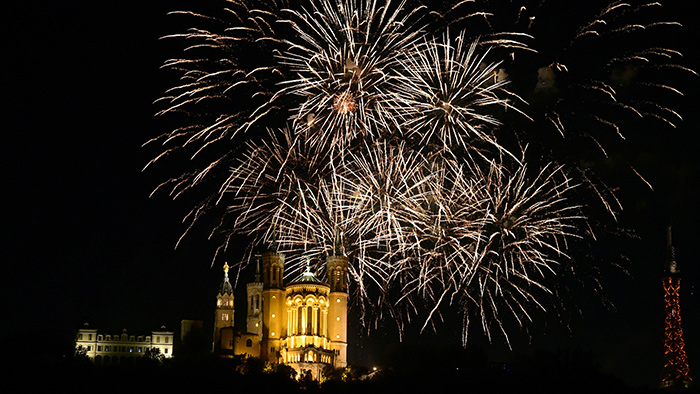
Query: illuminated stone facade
224	308
302	323
121	348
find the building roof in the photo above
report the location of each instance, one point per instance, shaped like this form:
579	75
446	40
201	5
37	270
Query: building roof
307	277
226	287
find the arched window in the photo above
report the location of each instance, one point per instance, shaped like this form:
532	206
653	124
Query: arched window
309	320
249	342
299	314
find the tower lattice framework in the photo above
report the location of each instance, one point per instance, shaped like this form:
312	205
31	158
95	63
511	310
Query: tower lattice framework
676	371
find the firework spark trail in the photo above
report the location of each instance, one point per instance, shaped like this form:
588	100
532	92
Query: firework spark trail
359	119
376	202
494	231
441	91
341	63
601	71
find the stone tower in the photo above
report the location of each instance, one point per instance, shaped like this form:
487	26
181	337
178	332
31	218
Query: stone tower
255	301
273	308
337	269
224	308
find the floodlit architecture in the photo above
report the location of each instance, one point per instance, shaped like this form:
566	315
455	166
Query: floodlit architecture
119	348
302	323
676	372
224	307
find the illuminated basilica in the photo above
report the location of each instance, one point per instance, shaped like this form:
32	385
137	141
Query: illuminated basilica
302	323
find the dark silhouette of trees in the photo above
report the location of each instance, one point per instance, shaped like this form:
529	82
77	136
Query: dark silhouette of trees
404	367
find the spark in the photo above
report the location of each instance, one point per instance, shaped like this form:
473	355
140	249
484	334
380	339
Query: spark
398	128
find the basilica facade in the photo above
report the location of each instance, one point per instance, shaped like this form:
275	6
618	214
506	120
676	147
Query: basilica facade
302	323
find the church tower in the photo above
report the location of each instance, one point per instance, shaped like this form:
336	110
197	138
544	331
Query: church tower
337	269
255	300
675	373
224	308
273	310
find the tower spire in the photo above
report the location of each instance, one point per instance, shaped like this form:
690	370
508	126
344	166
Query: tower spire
225	288
339	250
671	265
223	316
257	267
675	372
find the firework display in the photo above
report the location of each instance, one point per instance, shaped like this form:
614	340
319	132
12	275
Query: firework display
434	143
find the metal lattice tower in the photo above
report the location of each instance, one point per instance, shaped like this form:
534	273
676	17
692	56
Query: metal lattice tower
676	372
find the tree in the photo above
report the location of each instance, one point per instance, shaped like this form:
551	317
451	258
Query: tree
154	355
81	353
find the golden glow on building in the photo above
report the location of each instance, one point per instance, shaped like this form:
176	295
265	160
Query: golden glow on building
291	321
118	348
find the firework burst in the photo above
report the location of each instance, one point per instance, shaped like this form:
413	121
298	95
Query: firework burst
372	122
445	92
341	61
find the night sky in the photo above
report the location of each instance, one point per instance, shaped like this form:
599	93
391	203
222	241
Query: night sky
85	243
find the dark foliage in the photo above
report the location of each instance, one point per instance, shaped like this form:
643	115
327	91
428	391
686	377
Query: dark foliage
405	368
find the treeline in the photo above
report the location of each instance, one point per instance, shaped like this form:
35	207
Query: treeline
404	368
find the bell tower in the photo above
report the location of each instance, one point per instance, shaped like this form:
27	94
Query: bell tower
337	269
224	308
273	308
255	301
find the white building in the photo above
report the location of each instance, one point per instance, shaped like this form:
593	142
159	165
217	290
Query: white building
120	348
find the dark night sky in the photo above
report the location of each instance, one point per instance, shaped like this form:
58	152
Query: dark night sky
84	242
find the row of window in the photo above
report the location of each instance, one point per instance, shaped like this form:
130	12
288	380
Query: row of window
123	338
122	349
